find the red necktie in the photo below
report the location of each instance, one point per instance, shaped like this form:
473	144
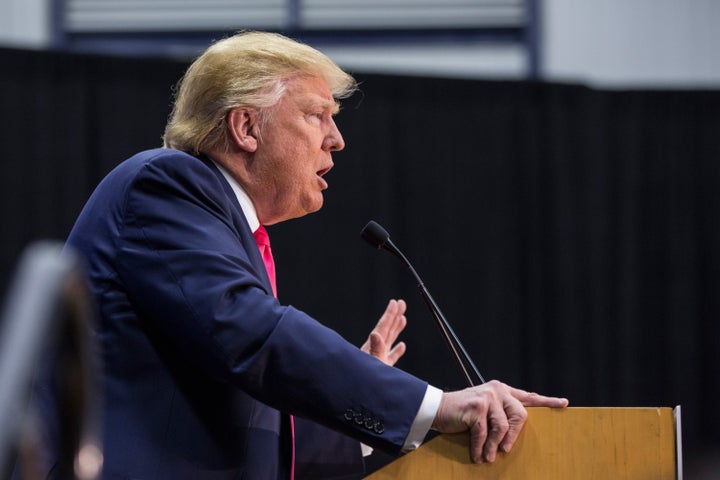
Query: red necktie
263	242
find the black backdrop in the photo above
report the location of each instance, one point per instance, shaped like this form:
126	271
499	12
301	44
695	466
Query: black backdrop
569	234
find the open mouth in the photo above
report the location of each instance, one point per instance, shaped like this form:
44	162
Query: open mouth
322	172
321	180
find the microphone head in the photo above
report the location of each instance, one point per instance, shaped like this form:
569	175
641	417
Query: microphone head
375	235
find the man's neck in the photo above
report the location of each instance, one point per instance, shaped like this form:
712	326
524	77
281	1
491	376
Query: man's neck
243	198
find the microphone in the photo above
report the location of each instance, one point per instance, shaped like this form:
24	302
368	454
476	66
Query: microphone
379	238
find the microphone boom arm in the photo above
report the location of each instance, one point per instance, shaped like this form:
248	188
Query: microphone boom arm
379	238
451	339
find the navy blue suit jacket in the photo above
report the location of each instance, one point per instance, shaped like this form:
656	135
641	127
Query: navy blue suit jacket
198	358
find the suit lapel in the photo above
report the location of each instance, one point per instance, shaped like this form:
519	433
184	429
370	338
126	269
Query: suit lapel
245	235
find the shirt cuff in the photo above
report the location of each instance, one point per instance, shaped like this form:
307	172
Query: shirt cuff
424	418
366	450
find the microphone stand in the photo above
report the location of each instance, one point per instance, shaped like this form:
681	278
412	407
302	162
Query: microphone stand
378	237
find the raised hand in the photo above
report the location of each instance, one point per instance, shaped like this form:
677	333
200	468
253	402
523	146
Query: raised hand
381	339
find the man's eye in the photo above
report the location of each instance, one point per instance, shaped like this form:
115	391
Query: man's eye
317	116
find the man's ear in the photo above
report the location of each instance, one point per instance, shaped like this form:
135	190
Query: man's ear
242	124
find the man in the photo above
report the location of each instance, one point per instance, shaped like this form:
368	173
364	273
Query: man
202	366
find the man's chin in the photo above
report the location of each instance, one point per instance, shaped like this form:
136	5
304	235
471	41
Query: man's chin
307	209
316	204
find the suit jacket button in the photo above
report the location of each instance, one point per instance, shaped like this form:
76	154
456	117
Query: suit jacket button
349	414
379	428
358	418
369	423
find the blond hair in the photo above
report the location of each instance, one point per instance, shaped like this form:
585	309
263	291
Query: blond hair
248	69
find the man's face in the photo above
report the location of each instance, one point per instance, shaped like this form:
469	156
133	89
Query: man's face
294	152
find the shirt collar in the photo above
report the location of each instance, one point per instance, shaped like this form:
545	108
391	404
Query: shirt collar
243	199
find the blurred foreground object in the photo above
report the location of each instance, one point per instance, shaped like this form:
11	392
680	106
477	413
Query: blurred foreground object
47	315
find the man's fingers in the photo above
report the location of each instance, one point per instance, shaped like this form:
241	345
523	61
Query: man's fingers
380	342
531	399
377	344
387	321
493	412
393	320
497	425
397	352
516	420
478	435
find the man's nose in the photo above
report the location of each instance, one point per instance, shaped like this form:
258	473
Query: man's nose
334	141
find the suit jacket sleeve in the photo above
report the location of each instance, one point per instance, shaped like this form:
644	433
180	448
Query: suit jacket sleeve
190	264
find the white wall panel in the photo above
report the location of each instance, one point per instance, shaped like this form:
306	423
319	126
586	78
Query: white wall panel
172	15
166	15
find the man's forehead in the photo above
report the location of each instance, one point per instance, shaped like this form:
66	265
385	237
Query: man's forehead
312	92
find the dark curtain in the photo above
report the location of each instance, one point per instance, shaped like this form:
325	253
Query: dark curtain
569	234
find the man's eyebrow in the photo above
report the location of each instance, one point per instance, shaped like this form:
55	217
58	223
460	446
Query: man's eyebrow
335	107
332	105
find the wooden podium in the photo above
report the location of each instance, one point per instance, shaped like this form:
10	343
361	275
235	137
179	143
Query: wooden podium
561	444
